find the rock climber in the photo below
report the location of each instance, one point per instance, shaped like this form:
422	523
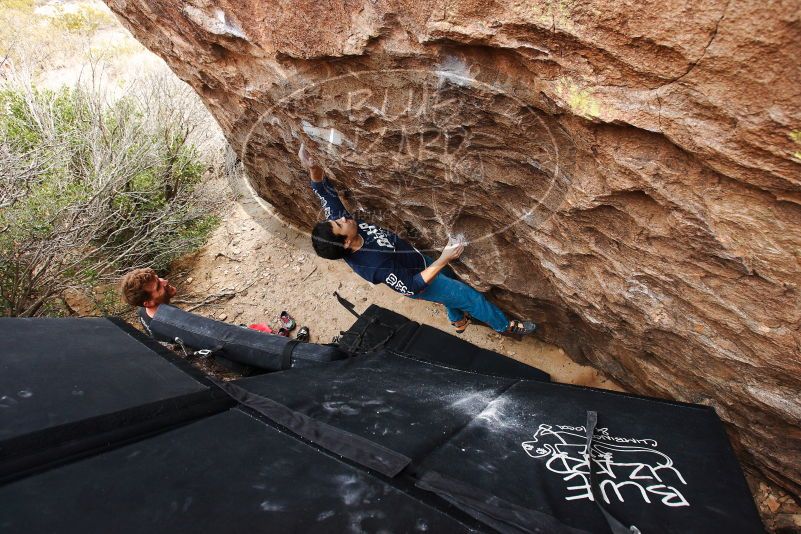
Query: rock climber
380	256
144	289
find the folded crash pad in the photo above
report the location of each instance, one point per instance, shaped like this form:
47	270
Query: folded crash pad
512	453
238	344
379	328
71	385
226	473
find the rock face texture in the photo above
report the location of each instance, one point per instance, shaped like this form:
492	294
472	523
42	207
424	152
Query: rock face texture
625	171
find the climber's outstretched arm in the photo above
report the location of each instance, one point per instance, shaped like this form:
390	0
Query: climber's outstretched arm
325	191
315	171
451	252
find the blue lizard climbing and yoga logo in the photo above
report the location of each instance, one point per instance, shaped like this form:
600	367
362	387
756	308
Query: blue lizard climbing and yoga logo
626	468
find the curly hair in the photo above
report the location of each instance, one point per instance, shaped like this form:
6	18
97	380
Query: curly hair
133	285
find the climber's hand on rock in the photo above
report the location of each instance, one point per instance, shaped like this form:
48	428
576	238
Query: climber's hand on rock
308	162
451	251
305	158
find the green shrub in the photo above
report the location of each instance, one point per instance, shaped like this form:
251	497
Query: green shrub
19	5
89	189
86	19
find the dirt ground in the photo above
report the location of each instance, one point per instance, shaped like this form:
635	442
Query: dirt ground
255	265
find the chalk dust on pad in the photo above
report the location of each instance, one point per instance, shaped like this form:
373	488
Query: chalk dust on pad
464	397
470	403
269	506
340	407
362	403
496	416
355	493
322	516
467	404
461	394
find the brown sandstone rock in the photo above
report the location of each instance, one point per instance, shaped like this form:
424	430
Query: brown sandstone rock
626	171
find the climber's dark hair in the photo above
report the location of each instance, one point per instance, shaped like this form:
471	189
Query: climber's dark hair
325	243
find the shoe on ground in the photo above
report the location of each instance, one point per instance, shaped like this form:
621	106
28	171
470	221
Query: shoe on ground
287	321
520	328
303	334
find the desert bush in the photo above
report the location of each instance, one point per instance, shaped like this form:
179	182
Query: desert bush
29	42
84	19
91	187
18	5
55	37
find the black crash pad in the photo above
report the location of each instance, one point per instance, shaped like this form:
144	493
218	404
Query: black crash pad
68	385
250	349
379	328
226	473
341	446
400	403
510	452
660	466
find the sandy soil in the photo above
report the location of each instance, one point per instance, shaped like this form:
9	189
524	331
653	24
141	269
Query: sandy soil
255	265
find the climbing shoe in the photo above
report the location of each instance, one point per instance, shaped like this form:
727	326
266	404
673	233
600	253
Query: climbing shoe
461	326
303	334
287	321
520	328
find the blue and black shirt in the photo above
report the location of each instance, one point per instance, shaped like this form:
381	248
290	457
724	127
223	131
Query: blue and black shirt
384	257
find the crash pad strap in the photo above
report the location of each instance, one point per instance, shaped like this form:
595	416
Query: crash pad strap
615	524
501	515
348	305
362	451
286	353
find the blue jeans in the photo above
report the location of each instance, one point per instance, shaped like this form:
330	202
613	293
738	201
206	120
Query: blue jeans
458	298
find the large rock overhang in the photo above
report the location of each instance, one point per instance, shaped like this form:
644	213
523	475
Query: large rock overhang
627	179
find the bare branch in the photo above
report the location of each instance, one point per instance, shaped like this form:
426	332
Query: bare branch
83	200
226	294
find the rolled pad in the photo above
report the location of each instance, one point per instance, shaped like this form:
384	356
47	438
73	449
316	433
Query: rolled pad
236	343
